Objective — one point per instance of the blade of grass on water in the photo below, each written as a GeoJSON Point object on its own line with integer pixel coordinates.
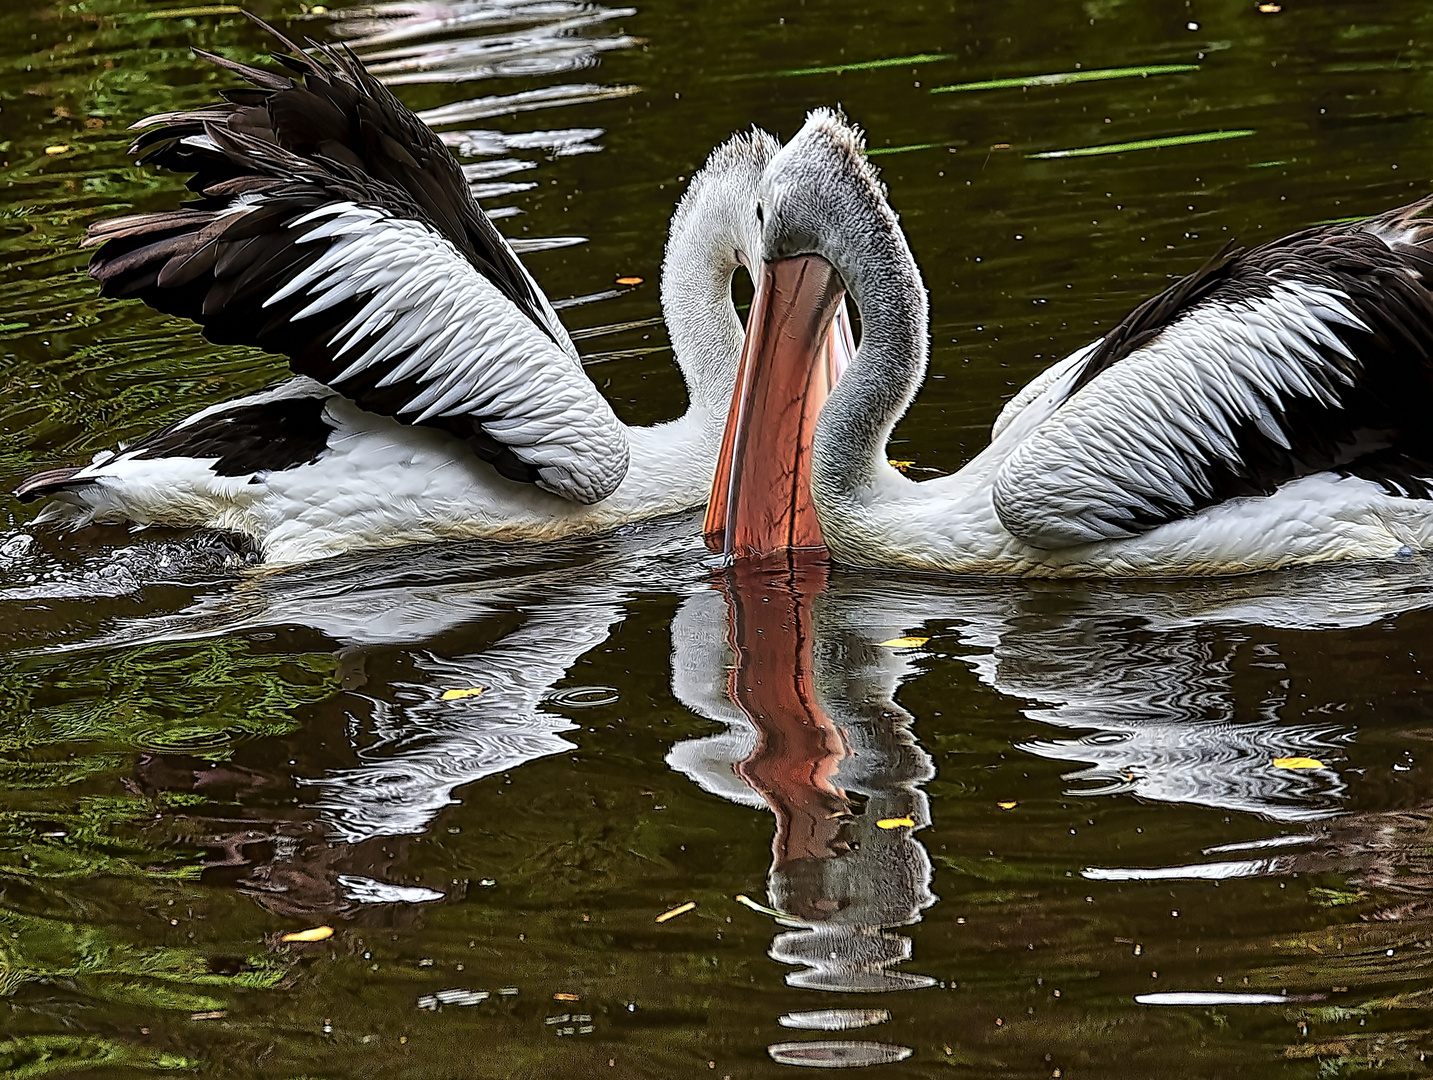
{"type": "Point", "coordinates": [1059, 77]}
{"type": "Point", "coordinates": [1146, 144]}
{"type": "Point", "coordinates": [192, 12]}
{"type": "Point", "coordinates": [859, 65]}
{"type": "Point", "coordinates": [904, 149]}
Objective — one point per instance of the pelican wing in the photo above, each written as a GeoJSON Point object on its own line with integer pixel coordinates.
{"type": "Point", "coordinates": [334, 228]}
{"type": "Point", "coordinates": [1309, 354]}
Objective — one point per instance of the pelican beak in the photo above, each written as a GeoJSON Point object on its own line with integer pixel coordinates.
{"type": "Point", "coordinates": [798, 340]}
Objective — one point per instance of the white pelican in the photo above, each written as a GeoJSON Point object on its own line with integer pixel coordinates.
{"type": "Point", "coordinates": [438, 396]}
{"type": "Point", "coordinates": [1274, 408]}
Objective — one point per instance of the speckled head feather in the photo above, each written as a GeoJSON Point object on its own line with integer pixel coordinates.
{"type": "Point", "coordinates": [848, 139]}
{"type": "Point", "coordinates": [822, 196]}
{"type": "Point", "coordinates": [713, 229]}
{"type": "Point", "coordinates": [745, 154]}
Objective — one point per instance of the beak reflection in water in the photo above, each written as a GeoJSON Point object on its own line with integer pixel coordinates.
{"type": "Point", "coordinates": [834, 760]}
{"type": "Point", "coordinates": [798, 341]}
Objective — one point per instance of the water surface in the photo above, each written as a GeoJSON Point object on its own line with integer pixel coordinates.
{"type": "Point", "coordinates": [929, 828]}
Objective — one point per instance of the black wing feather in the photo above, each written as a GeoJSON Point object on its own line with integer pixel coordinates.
{"type": "Point", "coordinates": [289, 147]}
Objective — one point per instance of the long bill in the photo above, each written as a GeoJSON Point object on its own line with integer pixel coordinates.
{"type": "Point", "coordinates": [798, 341]}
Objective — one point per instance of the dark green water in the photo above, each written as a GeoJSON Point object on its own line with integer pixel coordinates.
{"type": "Point", "coordinates": [982, 851]}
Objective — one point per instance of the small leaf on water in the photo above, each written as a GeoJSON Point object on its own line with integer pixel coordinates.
{"type": "Point", "coordinates": [456, 695]}
{"type": "Point", "coordinates": [1297, 763]}
{"type": "Point", "coordinates": [59, 148]}
{"type": "Point", "coordinates": [1270, 9]}
{"type": "Point", "coordinates": [904, 642]}
{"type": "Point", "coordinates": [896, 823]}
{"type": "Point", "coordinates": [317, 933]}
{"type": "Point", "coordinates": [213, 1014]}
{"type": "Point", "coordinates": [560, 996]}
{"type": "Point", "coordinates": [629, 281]}
{"type": "Point", "coordinates": [680, 909]}
{"type": "Point", "coordinates": [902, 465]}
{"type": "Point", "coordinates": [1011, 805]}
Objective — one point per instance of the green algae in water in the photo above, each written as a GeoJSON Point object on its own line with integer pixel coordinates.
{"type": "Point", "coordinates": [202, 699]}
{"type": "Point", "coordinates": [47, 1055]}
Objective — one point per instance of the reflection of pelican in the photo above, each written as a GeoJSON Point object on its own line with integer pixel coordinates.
{"type": "Point", "coordinates": [407, 744]}
{"type": "Point", "coordinates": [1174, 685]}
{"type": "Point", "coordinates": [1163, 691]}
{"type": "Point", "coordinates": [812, 731]}
{"type": "Point", "coordinates": [1142, 689]}
{"type": "Point", "coordinates": [451, 609]}
{"type": "Point", "coordinates": [277, 852]}
{"type": "Point", "coordinates": [1159, 692]}
{"type": "Point", "coordinates": [1271, 409]}
{"type": "Point", "coordinates": [1133, 684]}
{"type": "Point", "coordinates": [414, 749]}
{"type": "Point", "coordinates": [420, 747]}
{"type": "Point", "coordinates": [438, 396]}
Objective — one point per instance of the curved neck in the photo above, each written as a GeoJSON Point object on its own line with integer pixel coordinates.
{"type": "Point", "coordinates": [702, 323]}
{"type": "Point", "coordinates": [888, 368]}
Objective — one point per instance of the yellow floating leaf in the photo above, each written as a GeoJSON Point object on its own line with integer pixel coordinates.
{"type": "Point", "coordinates": [629, 281]}
{"type": "Point", "coordinates": [317, 933]}
{"type": "Point", "coordinates": [904, 642]}
{"type": "Point", "coordinates": [1011, 805]}
{"type": "Point", "coordinates": [1270, 9]}
{"type": "Point", "coordinates": [457, 695]}
{"type": "Point", "coordinates": [902, 465]}
{"type": "Point", "coordinates": [59, 148]}
{"type": "Point", "coordinates": [896, 823]}
{"type": "Point", "coordinates": [1297, 763]}
{"type": "Point", "coordinates": [680, 909]}
{"type": "Point", "coordinates": [560, 996]}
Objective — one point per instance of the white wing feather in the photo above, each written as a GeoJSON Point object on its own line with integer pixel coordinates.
{"type": "Point", "coordinates": [470, 351]}
{"type": "Point", "coordinates": [1140, 436]}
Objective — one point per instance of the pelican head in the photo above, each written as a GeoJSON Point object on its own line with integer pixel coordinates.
{"type": "Point", "coordinates": [826, 231]}
{"type": "Point", "coordinates": [713, 232]}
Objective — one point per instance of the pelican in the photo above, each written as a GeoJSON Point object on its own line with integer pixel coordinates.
{"type": "Point", "coordinates": [1273, 408]}
{"type": "Point", "coordinates": [436, 396]}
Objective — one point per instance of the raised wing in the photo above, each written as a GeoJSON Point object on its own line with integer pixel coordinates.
{"type": "Point", "coordinates": [333, 227]}
{"type": "Point", "coordinates": [1311, 353]}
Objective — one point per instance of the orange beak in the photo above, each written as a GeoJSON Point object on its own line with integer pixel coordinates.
{"type": "Point", "coordinates": [798, 341]}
